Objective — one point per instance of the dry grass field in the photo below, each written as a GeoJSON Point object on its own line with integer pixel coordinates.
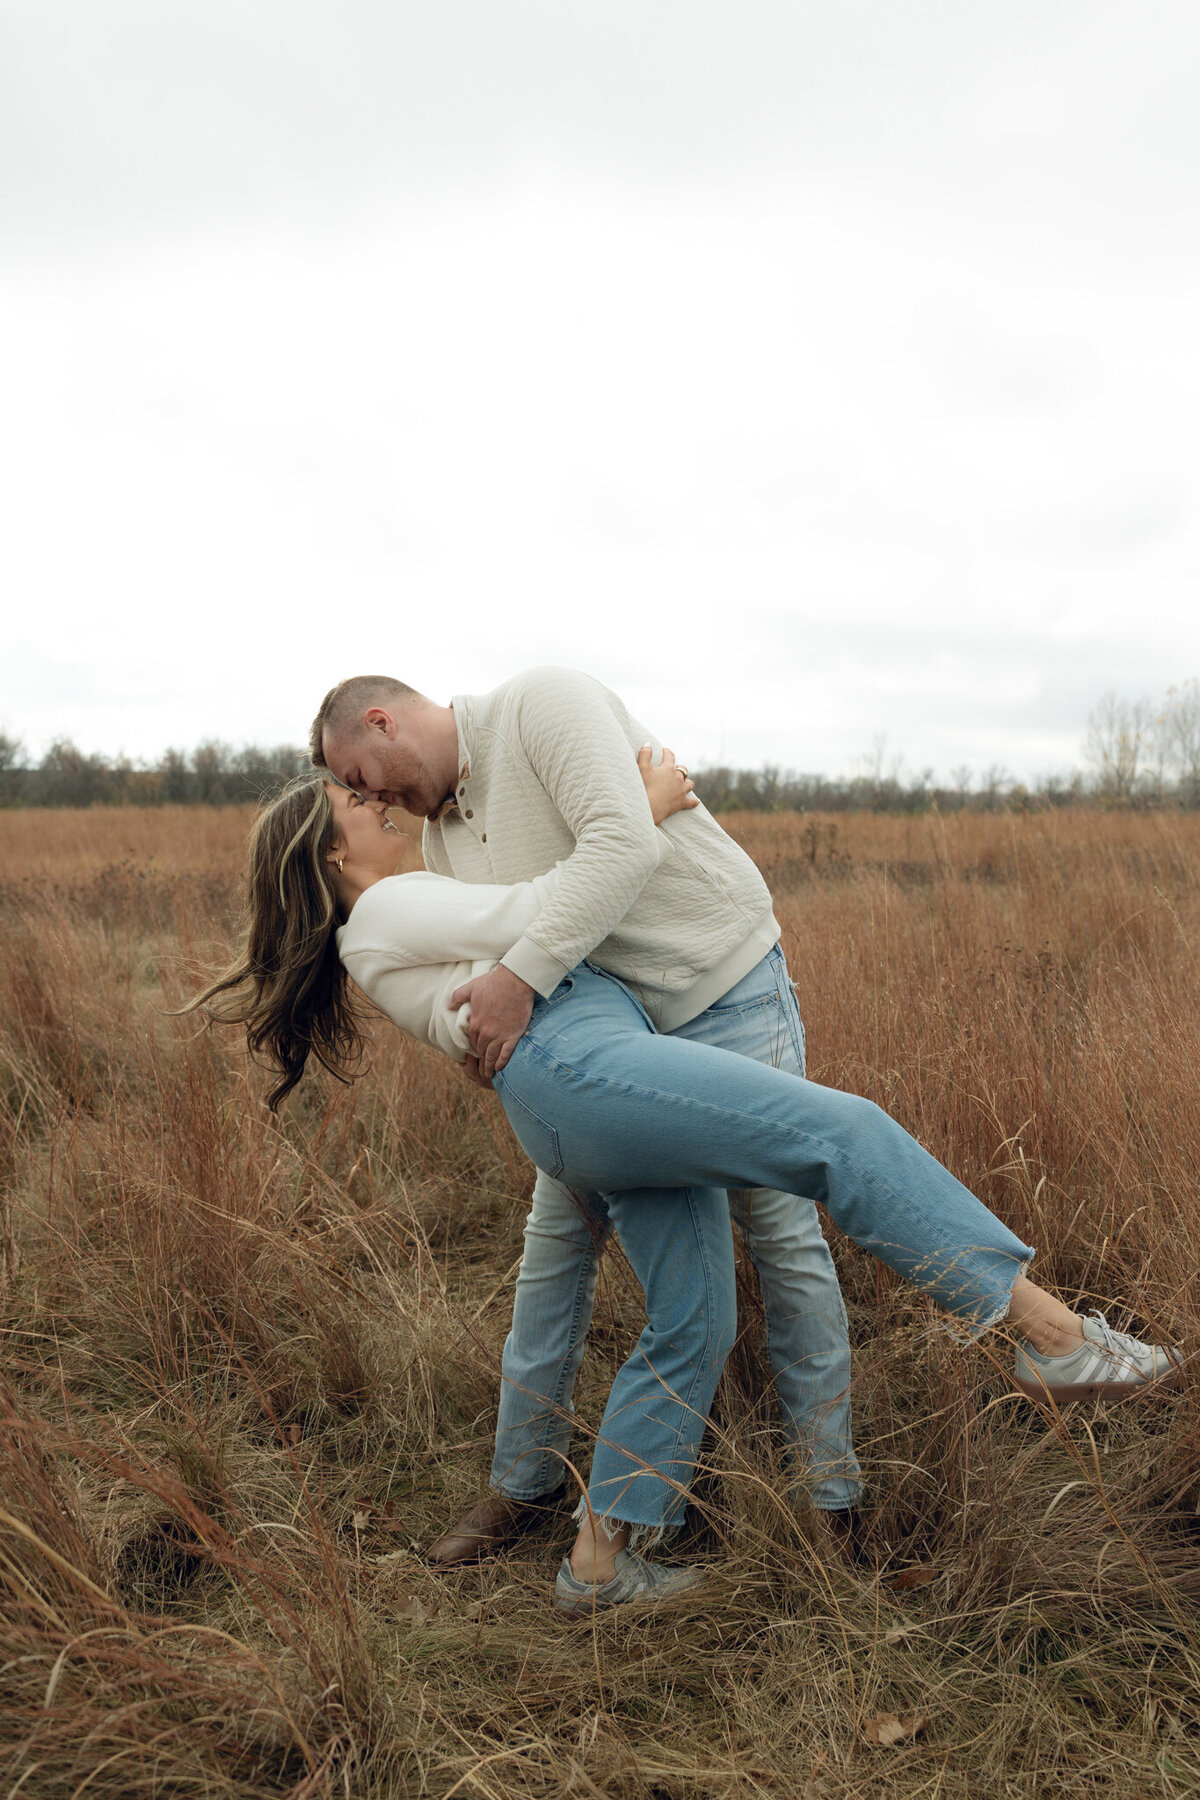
{"type": "Point", "coordinates": [249, 1367]}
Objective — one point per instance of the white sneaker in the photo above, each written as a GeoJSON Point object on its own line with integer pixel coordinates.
{"type": "Point", "coordinates": [1106, 1365]}
{"type": "Point", "coordinates": [635, 1579]}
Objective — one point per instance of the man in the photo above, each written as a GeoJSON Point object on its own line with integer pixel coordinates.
{"type": "Point", "coordinates": [541, 771]}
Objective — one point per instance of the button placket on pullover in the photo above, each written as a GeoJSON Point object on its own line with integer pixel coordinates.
{"type": "Point", "coordinates": [465, 817]}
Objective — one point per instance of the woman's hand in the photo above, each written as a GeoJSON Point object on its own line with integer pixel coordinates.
{"type": "Point", "coordinates": [668, 787]}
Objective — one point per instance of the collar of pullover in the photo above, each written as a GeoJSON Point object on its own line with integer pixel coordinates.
{"type": "Point", "coordinates": [459, 706]}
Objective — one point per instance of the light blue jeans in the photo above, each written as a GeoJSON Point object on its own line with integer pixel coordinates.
{"type": "Point", "coordinates": [680, 1248]}
{"type": "Point", "coordinates": [601, 1101]}
{"type": "Point", "coordinates": [805, 1318]}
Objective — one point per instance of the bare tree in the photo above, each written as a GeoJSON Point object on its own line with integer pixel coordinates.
{"type": "Point", "coordinates": [12, 756]}
{"type": "Point", "coordinates": [1181, 739]}
{"type": "Point", "coordinates": [255, 770]}
{"type": "Point", "coordinates": [994, 784]}
{"type": "Point", "coordinates": [210, 771]}
{"type": "Point", "coordinates": [69, 777]}
{"type": "Point", "coordinates": [1118, 739]}
{"type": "Point", "coordinates": [173, 774]}
{"type": "Point", "coordinates": [882, 772]}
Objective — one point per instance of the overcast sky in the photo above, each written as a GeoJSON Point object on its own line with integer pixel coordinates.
{"type": "Point", "coordinates": [807, 372]}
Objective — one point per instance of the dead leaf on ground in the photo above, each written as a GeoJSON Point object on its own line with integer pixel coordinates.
{"type": "Point", "coordinates": [361, 1519]}
{"type": "Point", "coordinates": [912, 1578]}
{"type": "Point", "coordinates": [414, 1609]}
{"type": "Point", "coordinates": [887, 1728]}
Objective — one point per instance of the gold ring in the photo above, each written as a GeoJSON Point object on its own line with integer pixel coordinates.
{"type": "Point", "coordinates": [681, 769]}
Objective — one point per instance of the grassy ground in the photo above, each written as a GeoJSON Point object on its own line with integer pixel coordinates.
{"type": "Point", "coordinates": [249, 1369]}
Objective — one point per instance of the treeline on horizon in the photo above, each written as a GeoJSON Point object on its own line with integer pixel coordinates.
{"type": "Point", "coordinates": [1139, 754]}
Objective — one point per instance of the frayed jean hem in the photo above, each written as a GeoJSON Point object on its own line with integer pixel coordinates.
{"type": "Point", "coordinates": [972, 1330]}
{"type": "Point", "coordinates": [642, 1536]}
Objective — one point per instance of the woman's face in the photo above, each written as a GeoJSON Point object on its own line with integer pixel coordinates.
{"type": "Point", "coordinates": [365, 838]}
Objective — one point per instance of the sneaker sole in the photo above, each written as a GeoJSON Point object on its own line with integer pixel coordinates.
{"type": "Point", "coordinates": [584, 1609]}
{"type": "Point", "coordinates": [1100, 1390]}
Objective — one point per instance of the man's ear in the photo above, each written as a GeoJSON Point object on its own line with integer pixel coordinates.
{"type": "Point", "coordinates": [376, 719]}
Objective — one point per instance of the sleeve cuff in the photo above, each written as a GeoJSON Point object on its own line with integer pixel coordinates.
{"type": "Point", "coordinates": [536, 967]}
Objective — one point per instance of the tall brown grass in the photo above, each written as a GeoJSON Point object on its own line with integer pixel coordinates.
{"type": "Point", "coordinates": [250, 1368]}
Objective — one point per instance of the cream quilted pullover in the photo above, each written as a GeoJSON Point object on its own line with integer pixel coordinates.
{"type": "Point", "coordinates": [548, 771]}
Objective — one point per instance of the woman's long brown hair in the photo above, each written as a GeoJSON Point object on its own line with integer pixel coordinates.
{"type": "Point", "coordinates": [287, 985]}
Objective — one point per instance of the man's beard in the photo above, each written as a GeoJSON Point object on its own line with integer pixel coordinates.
{"type": "Point", "coordinates": [413, 781]}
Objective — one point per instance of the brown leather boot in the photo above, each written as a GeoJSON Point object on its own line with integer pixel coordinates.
{"type": "Point", "coordinates": [494, 1522]}
{"type": "Point", "coordinates": [842, 1528]}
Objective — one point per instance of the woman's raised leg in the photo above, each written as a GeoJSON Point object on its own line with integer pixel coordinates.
{"type": "Point", "coordinates": [614, 1104]}
{"type": "Point", "coordinates": [607, 1103]}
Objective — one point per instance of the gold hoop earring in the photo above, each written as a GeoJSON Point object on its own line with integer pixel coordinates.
{"type": "Point", "coordinates": [340, 860]}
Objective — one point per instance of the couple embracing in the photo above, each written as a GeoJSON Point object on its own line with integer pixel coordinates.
{"type": "Point", "coordinates": [589, 941]}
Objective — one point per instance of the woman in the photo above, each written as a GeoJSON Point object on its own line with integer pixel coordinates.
{"type": "Point", "coordinates": [659, 1125]}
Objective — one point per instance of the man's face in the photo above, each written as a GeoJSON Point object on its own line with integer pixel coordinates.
{"type": "Point", "coordinates": [387, 758]}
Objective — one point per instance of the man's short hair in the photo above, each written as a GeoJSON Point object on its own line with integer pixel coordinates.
{"type": "Point", "coordinates": [343, 707]}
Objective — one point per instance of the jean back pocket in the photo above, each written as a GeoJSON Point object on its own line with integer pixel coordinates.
{"type": "Point", "coordinates": [536, 1136]}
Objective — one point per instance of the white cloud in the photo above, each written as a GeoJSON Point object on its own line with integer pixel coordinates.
{"type": "Point", "coordinates": [806, 376]}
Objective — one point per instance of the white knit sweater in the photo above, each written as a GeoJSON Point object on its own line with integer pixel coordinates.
{"type": "Point", "coordinates": [411, 940]}
{"type": "Point", "coordinates": [549, 775]}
